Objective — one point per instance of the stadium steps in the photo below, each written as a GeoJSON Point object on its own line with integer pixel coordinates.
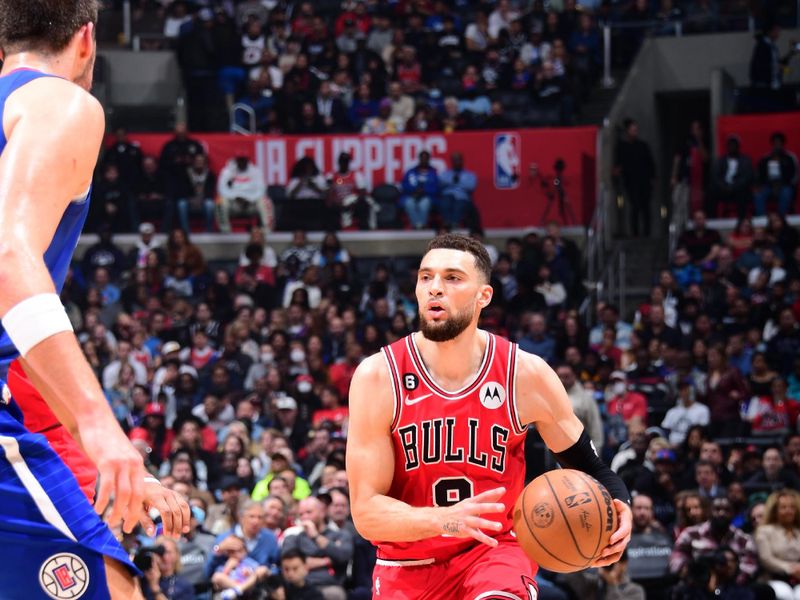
{"type": "Point", "coordinates": [598, 105]}
{"type": "Point", "coordinates": [644, 258]}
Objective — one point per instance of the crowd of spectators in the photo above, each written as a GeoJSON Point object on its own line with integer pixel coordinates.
{"type": "Point", "coordinates": [380, 67]}
{"type": "Point", "coordinates": [180, 189]}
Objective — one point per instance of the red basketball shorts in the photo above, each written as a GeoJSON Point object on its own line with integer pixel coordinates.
{"type": "Point", "coordinates": [38, 418]}
{"type": "Point", "coordinates": [480, 573]}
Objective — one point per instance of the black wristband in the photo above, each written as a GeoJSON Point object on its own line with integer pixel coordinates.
{"type": "Point", "coordinates": [583, 457]}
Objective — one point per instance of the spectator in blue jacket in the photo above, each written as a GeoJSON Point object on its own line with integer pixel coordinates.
{"type": "Point", "coordinates": [458, 184]}
{"type": "Point", "coordinates": [262, 545]}
{"type": "Point", "coordinates": [420, 191]}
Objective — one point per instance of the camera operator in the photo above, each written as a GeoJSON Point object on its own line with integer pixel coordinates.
{"type": "Point", "coordinates": [160, 565]}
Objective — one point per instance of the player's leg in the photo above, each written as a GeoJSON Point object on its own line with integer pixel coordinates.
{"type": "Point", "coordinates": [59, 543]}
{"type": "Point", "coordinates": [500, 573]}
{"type": "Point", "coordinates": [121, 583]}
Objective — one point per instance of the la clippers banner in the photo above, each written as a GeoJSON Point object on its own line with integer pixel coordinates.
{"type": "Point", "coordinates": [754, 132]}
{"type": "Point", "coordinates": [518, 184]}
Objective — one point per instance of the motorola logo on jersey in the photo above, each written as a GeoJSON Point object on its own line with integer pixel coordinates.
{"type": "Point", "coordinates": [492, 394]}
{"type": "Point", "coordinates": [433, 441]}
{"type": "Point", "coordinates": [64, 576]}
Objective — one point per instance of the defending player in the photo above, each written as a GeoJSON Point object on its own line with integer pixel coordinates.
{"type": "Point", "coordinates": [436, 438]}
{"type": "Point", "coordinates": [49, 142]}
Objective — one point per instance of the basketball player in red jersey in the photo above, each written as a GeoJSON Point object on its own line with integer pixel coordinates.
{"type": "Point", "coordinates": [436, 437]}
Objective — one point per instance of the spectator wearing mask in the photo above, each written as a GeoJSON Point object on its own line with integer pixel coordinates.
{"type": "Point", "coordinates": [241, 191]}
{"type": "Point", "coordinates": [777, 177]}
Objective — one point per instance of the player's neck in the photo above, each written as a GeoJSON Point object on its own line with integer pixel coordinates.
{"type": "Point", "coordinates": [58, 64]}
{"type": "Point", "coordinates": [454, 362]}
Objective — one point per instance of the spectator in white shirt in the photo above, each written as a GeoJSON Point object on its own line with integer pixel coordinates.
{"type": "Point", "coordinates": [242, 191]}
{"type": "Point", "coordinates": [685, 414]}
{"type": "Point", "coordinates": [111, 372]}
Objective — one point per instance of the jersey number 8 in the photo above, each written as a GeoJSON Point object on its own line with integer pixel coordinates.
{"type": "Point", "coordinates": [451, 490]}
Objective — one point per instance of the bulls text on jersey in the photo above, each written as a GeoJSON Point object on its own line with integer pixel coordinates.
{"type": "Point", "coordinates": [432, 441]}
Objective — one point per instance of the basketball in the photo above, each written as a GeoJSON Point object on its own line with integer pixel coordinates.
{"type": "Point", "coordinates": [563, 520]}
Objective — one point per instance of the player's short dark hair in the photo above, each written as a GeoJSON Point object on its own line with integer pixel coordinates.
{"type": "Point", "coordinates": [43, 25]}
{"type": "Point", "coordinates": [293, 554]}
{"type": "Point", "coordinates": [457, 241]}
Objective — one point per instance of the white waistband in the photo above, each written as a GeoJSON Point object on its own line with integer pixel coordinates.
{"type": "Point", "coordinates": [405, 563]}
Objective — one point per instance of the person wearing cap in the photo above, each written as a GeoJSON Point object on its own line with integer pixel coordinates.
{"type": "Point", "coordinates": [686, 413]}
{"type": "Point", "coordinates": [241, 191]}
{"type": "Point", "coordinates": [224, 516]}
{"type": "Point", "coordinates": [145, 244]}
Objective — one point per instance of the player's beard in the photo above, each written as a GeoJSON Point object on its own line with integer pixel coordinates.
{"type": "Point", "coordinates": [446, 330]}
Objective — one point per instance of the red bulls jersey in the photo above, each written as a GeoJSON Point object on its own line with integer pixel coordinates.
{"type": "Point", "coordinates": [449, 446]}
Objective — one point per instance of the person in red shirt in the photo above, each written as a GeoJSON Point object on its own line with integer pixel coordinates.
{"type": "Point", "coordinates": [624, 402]}
{"type": "Point", "coordinates": [331, 408]}
{"type": "Point", "coordinates": [341, 373]}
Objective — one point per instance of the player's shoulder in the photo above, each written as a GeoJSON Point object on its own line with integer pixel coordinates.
{"type": "Point", "coordinates": [530, 365]}
{"type": "Point", "coordinates": [372, 370]}
{"type": "Point", "coordinates": [56, 101]}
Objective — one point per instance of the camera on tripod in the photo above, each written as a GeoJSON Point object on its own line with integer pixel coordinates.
{"type": "Point", "coordinates": [553, 188]}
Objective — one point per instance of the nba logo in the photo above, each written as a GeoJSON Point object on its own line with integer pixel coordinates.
{"type": "Point", "coordinates": [507, 149]}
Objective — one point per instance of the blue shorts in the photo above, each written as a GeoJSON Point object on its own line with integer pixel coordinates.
{"type": "Point", "coordinates": [53, 542]}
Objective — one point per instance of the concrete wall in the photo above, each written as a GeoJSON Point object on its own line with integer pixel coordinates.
{"type": "Point", "coordinates": [142, 78]}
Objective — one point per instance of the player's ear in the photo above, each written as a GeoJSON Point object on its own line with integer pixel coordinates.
{"type": "Point", "coordinates": [85, 37]}
{"type": "Point", "coordinates": [485, 295]}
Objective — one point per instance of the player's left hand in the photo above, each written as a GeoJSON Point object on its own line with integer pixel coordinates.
{"type": "Point", "coordinates": [174, 510]}
{"type": "Point", "coordinates": [619, 539]}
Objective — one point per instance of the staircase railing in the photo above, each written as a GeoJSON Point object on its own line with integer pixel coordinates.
{"type": "Point", "coordinates": [679, 216]}
{"type": "Point", "coordinates": [605, 262]}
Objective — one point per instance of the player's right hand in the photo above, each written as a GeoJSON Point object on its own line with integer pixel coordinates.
{"type": "Point", "coordinates": [121, 471]}
{"type": "Point", "coordinates": [463, 519]}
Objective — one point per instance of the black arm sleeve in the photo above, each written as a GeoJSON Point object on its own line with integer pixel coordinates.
{"type": "Point", "coordinates": [582, 457]}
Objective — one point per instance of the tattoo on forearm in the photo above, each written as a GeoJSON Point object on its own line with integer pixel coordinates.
{"type": "Point", "coordinates": [451, 528]}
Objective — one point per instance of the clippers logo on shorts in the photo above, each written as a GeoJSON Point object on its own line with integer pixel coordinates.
{"type": "Point", "coordinates": [492, 394]}
{"type": "Point", "coordinates": [64, 576]}
{"type": "Point", "coordinates": [507, 151]}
